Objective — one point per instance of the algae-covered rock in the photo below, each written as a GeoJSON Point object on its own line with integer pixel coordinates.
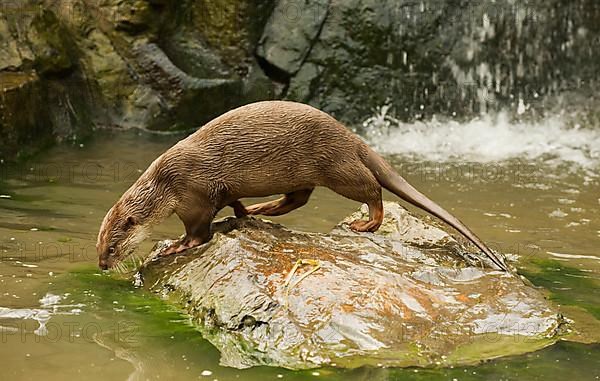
{"type": "Point", "coordinates": [404, 296]}
{"type": "Point", "coordinates": [36, 111]}
{"type": "Point", "coordinates": [230, 27]}
{"type": "Point", "coordinates": [43, 95]}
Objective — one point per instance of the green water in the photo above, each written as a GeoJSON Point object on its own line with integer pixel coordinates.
{"type": "Point", "coordinates": [101, 327]}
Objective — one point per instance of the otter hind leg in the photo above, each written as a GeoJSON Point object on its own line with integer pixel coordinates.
{"type": "Point", "coordinates": [239, 209]}
{"type": "Point", "coordinates": [283, 205]}
{"type": "Point", "coordinates": [356, 182]}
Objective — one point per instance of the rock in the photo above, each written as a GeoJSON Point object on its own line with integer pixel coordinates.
{"type": "Point", "coordinates": [116, 58]}
{"type": "Point", "coordinates": [257, 86]}
{"type": "Point", "coordinates": [22, 111]}
{"type": "Point", "coordinates": [434, 56]}
{"type": "Point", "coordinates": [36, 111]}
{"type": "Point", "coordinates": [405, 296]}
{"type": "Point", "coordinates": [191, 101]}
{"type": "Point", "coordinates": [290, 33]}
{"type": "Point", "coordinates": [134, 16]}
{"type": "Point", "coordinates": [11, 53]}
{"type": "Point", "coordinates": [33, 38]}
{"type": "Point", "coordinates": [44, 96]}
{"type": "Point", "coordinates": [50, 45]}
{"type": "Point", "coordinates": [231, 28]}
{"type": "Point", "coordinates": [151, 64]}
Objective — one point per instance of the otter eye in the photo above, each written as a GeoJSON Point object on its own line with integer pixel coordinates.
{"type": "Point", "coordinates": [130, 221]}
{"type": "Point", "coordinates": [111, 250]}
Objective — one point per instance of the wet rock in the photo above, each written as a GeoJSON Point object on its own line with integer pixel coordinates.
{"type": "Point", "coordinates": [436, 57]}
{"type": "Point", "coordinates": [291, 32]}
{"type": "Point", "coordinates": [408, 295]}
{"type": "Point", "coordinates": [134, 16]}
{"type": "Point", "coordinates": [33, 38]}
{"type": "Point", "coordinates": [10, 54]}
{"type": "Point", "coordinates": [36, 111]}
{"type": "Point", "coordinates": [190, 100]}
{"type": "Point", "coordinates": [423, 58]}
{"type": "Point", "coordinates": [142, 86]}
{"type": "Point", "coordinates": [44, 96]}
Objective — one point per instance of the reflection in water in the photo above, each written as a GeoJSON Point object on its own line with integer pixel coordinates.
{"type": "Point", "coordinates": [52, 206]}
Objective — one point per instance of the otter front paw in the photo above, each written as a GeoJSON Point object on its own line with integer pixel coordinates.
{"type": "Point", "coordinates": [181, 246]}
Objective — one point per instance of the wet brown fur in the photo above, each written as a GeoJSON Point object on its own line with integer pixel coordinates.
{"type": "Point", "coordinates": [257, 150]}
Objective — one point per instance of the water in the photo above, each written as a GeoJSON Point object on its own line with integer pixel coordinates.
{"type": "Point", "coordinates": [488, 139]}
{"type": "Point", "coordinates": [528, 189]}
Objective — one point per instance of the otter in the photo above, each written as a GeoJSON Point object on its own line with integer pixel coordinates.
{"type": "Point", "coordinates": [257, 150]}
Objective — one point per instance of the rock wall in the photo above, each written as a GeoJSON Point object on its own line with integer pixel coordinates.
{"type": "Point", "coordinates": [43, 93]}
{"type": "Point", "coordinates": [166, 65]}
{"type": "Point", "coordinates": [150, 64]}
{"type": "Point", "coordinates": [454, 57]}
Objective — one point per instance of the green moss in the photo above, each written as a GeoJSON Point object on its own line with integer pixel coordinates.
{"type": "Point", "coordinates": [151, 315]}
{"type": "Point", "coordinates": [561, 361]}
{"type": "Point", "coordinates": [567, 285]}
{"type": "Point", "coordinates": [493, 346]}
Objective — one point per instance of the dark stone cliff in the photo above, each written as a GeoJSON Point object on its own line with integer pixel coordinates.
{"type": "Point", "coordinates": [69, 66]}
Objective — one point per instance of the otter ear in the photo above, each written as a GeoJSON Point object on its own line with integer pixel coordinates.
{"type": "Point", "coordinates": [131, 221]}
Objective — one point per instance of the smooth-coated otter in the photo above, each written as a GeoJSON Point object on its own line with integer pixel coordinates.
{"type": "Point", "coordinates": [257, 150]}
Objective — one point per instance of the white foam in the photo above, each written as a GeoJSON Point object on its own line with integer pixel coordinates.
{"type": "Point", "coordinates": [485, 139]}
{"type": "Point", "coordinates": [50, 300]}
{"type": "Point", "coordinates": [50, 306]}
{"type": "Point", "coordinates": [573, 256]}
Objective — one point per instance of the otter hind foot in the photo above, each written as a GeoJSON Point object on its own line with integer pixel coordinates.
{"type": "Point", "coordinates": [361, 226]}
{"type": "Point", "coordinates": [239, 209]}
{"type": "Point", "coordinates": [375, 218]}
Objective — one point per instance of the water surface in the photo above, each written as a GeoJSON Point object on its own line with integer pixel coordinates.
{"type": "Point", "coordinates": [537, 199]}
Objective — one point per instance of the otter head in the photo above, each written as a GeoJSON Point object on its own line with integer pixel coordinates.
{"type": "Point", "coordinates": [121, 232]}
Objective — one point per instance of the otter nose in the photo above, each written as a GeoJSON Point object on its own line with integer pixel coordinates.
{"type": "Point", "coordinates": [103, 264]}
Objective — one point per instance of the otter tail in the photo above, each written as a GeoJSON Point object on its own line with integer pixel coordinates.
{"type": "Point", "coordinates": [392, 181]}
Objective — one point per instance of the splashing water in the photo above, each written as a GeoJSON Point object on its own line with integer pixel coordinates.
{"type": "Point", "coordinates": [485, 139]}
